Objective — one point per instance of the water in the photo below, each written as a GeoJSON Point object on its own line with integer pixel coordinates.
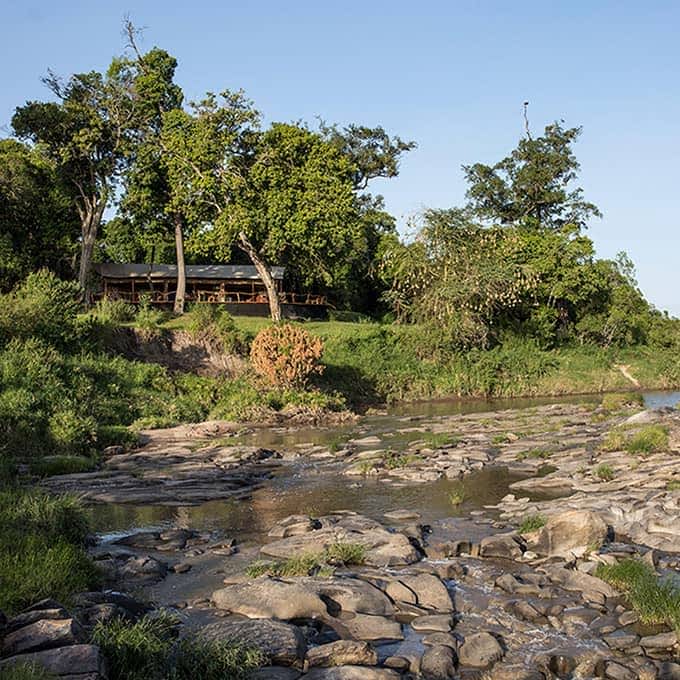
{"type": "Point", "coordinates": [317, 488]}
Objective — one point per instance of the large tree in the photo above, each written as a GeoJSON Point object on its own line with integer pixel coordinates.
{"type": "Point", "coordinates": [85, 133]}
{"type": "Point", "coordinates": [533, 186]}
{"type": "Point", "coordinates": [38, 222]}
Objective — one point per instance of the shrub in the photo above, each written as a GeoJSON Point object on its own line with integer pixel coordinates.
{"type": "Point", "coordinates": [615, 440]}
{"type": "Point", "coordinates": [114, 312]}
{"type": "Point", "coordinates": [648, 439]}
{"type": "Point", "coordinates": [604, 472]}
{"type": "Point", "coordinates": [531, 523]}
{"type": "Point", "coordinates": [345, 553]}
{"type": "Point", "coordinates": [214, 321]}
{"type": "Point", "coordinates": [656, 601]}
{"type": "Point", "coordinates": [286, 355]}
{"type": "Point", "coordinates": [60, 465]}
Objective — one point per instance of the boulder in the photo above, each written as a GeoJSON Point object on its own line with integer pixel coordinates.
{"type": "Point", "coordinates": [430, 591]}
{"type": "Point", "coordinates": [270, 598]}
{"type": "Point", "coordinates": [571, 533]}
{"type": "Point", "coordinates": [350, 595]}
{"type": "Point", "coordinates": [480, 650]}
{"type": "Point", "coordinates": [438, 663]}
{"type": "Point", "coordinates": [441, 623]}
{"type": "Point", "coordinates": [275, 673]}
{"type": "Point", "coordinates": [503, 546]}
{"type": "Point", "coordinates": [341, 653]}
{"type": "Point", "coordinates": [63, 661]}
{"type": "Point", "coordinates": [42, 634]}
{"type": "Point", "coordinates": [352, 673]}
{"type": "Point", "coordinates": [282, 643]}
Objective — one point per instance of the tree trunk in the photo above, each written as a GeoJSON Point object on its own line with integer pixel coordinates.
{"type": "Point", "coordinates": [265, 275]}
{"type": "Point", "coordinates": [90, 219]}
{"type": "Point", "coordinates": [181, 267]}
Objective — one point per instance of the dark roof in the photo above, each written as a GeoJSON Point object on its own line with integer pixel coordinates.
{"type": "Point", "coordinates": [112, 270]}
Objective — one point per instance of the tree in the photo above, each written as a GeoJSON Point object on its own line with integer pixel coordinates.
{"type": "Point", "coordinates": [532, 186]}
{"type": "Point", "coordinates": [85, 133]}
{"type": "Point", "coordinates": [38, 223]}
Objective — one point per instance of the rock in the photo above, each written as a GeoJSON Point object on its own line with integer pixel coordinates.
{"type": "Point", "coordinates": [341, 653]}
{"type": "Point", "coordinates": [643, 418]}
{"type": "Point", "coordinates": [274, 673]}
{"type": "Point", "coordinates": [617, 671]}
{"type": "Point", "coordinates": [63, 661]}
{"type": "Point", "coordinates": [438, 663]}
{"type": "Point", "coordinates": [383, 547]}
{"type": "Point", "coordinates": [349, 595]}
{"type": "Point", "coordinates": [294, 525]}
{"type": "Point", "coordinates": [181, 568]}
{"type": "Point", "coordinates": [446, 639]}
{"type": "Point", "coordinates": [351, 673]}
{"type": "Point", "coordinates": [401, 515]}
{"type": "Point", "coordinates": [480, 650]}
{"type": "Point", "coordinates": [42, 634]}
{"type": "Point", "coordinates": [591, 588]}
{"type": "Point", "coordinates": [441, 623]}
{"type": "Point", "coordinates": [269, 598]}
{"type": "Point", "coordinates": [571, 533]}
{"type": "Point", "coordinates": [29, 617]}
{"type": "Point", "coordinates": [504, 546]}
{"type": "Point", "coordinates": [660, 641]}
{"type": "Point", "coordinates": [282, 643]}
{"type": "Point", "coordinates": [367, 627]}
{"type": "Point", "coordinates": [430, 591]}
{"type": "Point", "coordinates": [668, 670]}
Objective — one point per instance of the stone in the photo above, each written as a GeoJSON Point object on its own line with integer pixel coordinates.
{"type": "Point", "coordinates": [274, 673]}
{"type": "Point", "coordinates": [341, 653]}
{"type": "Point", "coordinates": [294, 525]}
{"type": "Point", "coordinates": [42, 634]}
{"type": "Point", "coordinates": [480, 650]}
{"type": "Point", "coordinates": [269, 598]}
{"type": "Point", "coordinates": [367, 627]}
{"type": "Point", "coordinates": [430, 591]}
{"type": "Point", "coordinates": [446, 639]}
{"type": "Point", "coordinates": [282, 643]}
{"type": "Point", "coordinates": [352, 673]}
{"type": "Point", "coordinates": [617, 671]}
{"type": "Point", "coordinates": [401, 515]}
{"type": "Point", "coordinates": [503, 546]}
{"type": "Point", "coordinates": [62, 661]}
{"type": "Point", "coordinates": [660, 641]}
{"type": "Point", "coordinates": [441, 623]}
{"type": "Point", "coordinates": [28, 617]}
{"type": "Point", "coordinates": [571, 533]}
{"type": "Point", "coordinates": [438, 663]}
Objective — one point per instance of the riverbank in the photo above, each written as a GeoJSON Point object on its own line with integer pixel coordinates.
{"type": "Point", "coordinates": [415, 564]}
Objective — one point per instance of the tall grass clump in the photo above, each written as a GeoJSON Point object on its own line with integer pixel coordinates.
{"type": "Point", "coordinates": [26, 671]}
{"type": "Point", "coordinates": [113, 312]}
{"type": "Point", "coordinates": [149, 650]}
{"type": "Point", "coordinates": [657, 601]}
{"type": "Point", "coordinates": [215, 322]}
{"type": "Point", "coordinates": [42, 551]}
{"type": "Point", "coordinates": [649, 439]}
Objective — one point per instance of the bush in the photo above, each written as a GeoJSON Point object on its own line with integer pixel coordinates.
{"type": "Point", "coordinates": [531, 523]}
{"type": "Point", "coordinates": [604, 472]}
{"type": "Point", "coordinates": [60, 465]}
{"type": "Point", "coordinates": [649, 439]}
{"type": "Point", "coordinates": [286, 355]}
{"type": "Point", "coordinates": [114, 312]}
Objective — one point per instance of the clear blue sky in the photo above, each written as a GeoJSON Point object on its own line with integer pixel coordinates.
{"type": "Point", "coordinates": [450, 75]}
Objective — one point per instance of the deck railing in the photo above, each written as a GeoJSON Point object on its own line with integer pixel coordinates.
{"type": "Point", "coordinates": [158, 297]}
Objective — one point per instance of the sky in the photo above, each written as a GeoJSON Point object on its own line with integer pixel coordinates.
{"type": "Point", "coordinates": [451, 76]}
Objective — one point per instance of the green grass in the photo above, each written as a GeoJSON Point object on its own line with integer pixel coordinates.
{"type": "Point", "coordinates": [60, 465]}
{"type": "Point", "coordinates": [531, 523]}
{"type": "Point", "coordinates": [655, 600]}
{"type": "Point", "coordinates": [673, 485]}
{"type": "Point", "coordinates": [500, 439]}
{"type": "Point", "coordinates": [42, 550]}
{"type": "Point", "coordinates": [534, 454]}
{"type": "Point", "coordinates": [457, 496]}
{"type": "Point", "coordinates": [149, 650]}
{"type": "Point", "coordinates": [646, 440]}
{"type": "Point", "coordinates": [604, 472]}
{"type": "Point", "coordinates": [25, 671]}
{"type": "Point", "coordinates": [311, 564]}
{"type": "Point", "coordinates": [620, 400]}
{"type": "Point", "coordinates": [438, 440]}
{"type": "Point", "coordinates": [395, 461]}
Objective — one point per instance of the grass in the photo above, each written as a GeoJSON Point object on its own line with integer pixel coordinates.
{"type": "Point", "coordinates": [619, 400]}
{"type": "Point", "coordinates": [438, 440]}
{"type": "Point", "coordinates": [646, 440]}
{"type": "Point", "coordinates": [395, 461]}
{"type": "Point", "coordinates": [604, 472]}
{"type": "Point", "coordinates": [60, 465]}
{"type": "Point", "coordinates": [25, 671]}
{"type": "Point", "coordinates": [457, 497]}
{"type": "Point", "coordinates": [531, 523]}
{"type": "Point", "coordinates": [149, 650]}
{"type": "Point", "coordinates": [500, 439]}
{"type": "Point", "coordinates": [657, 601]}
{"type": "Point", "coordinates": [42, 550]}
{"type": "Point", "coordinates": [673, 485]}
{"type": "Point", "coordinates": [311, 564]}
{"type": "Point", "coordinates": [534, 454]}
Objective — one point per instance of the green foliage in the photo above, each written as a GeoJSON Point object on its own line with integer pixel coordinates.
{"type": "Point", "coordinates": [113, 312]}
{"type": "Point", "coordinates": [617, 401]}
{"type": "Point", "coordinates": [25, 671]}
{"type": "Point", "coordinates": [531, 523]}
{"type": "Point", "coordinates": [60, 465]}
{"type": "Point", "coordinates": [534, 454]}
{"type": "Point", "coordinates": [656, 601]}
{"type": "Point", "coordinates": [41, 549]}
{"type": "Point", "coordinates": [457, 496]}
{"type": "Point", "coordinates": [649, 439]}
{"type": "Point", "coordinates": [215, 322]}
{"type": "Point", "coordinates": [439, 440]}
{"type": "Point", "coordinates": [673, 485]}
{"type": "Point", "coordinates": [604, 472]}
{"type": "Point", "coordinates": [197, 657]}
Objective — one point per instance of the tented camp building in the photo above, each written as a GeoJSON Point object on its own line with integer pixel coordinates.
{"type": "Point", "coordinates": [237, 287]}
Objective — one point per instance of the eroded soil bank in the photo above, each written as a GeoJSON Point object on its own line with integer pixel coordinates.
{"type": "Point", "coordinates": [436, 546]}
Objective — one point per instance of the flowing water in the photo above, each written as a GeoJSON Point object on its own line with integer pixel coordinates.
{"type": "Point", "coordinates": [315, 487]}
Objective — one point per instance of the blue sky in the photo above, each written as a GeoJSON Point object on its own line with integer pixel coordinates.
{"type": "Point", "coordinates": [450, 75]}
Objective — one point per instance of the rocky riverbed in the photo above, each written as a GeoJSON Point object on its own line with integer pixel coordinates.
{"type": "Point", "coordinates": [370, 589]}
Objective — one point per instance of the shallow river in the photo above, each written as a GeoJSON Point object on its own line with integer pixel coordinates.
{"type": "Point", "coordinates": [309, 487]}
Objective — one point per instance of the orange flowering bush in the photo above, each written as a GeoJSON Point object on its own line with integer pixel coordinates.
{"type": "Point", "coordinates": [286, 355]}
